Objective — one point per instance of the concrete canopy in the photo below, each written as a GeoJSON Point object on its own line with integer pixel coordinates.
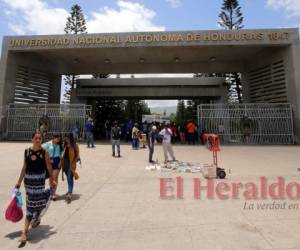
{"type": "Point", "coordinates": [172, 52]}
{"type": "Point", "coordinates": [269, 60]}
{"type": "Point", "coordinates": [152, 88]}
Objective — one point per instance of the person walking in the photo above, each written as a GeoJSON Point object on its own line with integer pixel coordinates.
{"type": "Point", "coordinates": [115, 139]}
{"type": "Point", "coordinates": [129, 126]}
{"type": "Point", "coordinates": [75, 131]}
{"type": "Point", "coordinates": [69, 161]}
{"type": "Point", "coordinates": [151, 141]}
{"type": "Point", "coordinates": [108, 127]}
{"type": "Point", "coordinates": [89, 129]}
{"type": "Point", "coordinates": [36, 167]}
{"type": "Point", "coordinates": [174, 133]}
{"type": "Point", "coordinates": [166, 134]}
{"type": "Point", "coordinates": [55, 151]}
{"type": "Point", "coordinates": [135, 137]}
{"type": "Point", "coordinates": [181, 130]}
{"type": "Point", "coordinates": [191, 128]}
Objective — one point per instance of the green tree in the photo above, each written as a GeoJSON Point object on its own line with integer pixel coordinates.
{"type": "Point", "coordinates": [75, 24]}
{"type": "Point", "coordinates": [231, 18]}
{"type": "Point", "coordinates": [180, 112]}
{"type": "Point", "coordinates": [107, 109]}
{"type": "Point", "coordinates": [135, 109]}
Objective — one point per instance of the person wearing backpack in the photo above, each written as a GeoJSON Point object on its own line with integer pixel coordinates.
{"type": "Point", "coordinates": [55, 151]}
{"type": "Point", "coordinates": [115, 139]}
{"type": "Point", "coordinates": [69, 162]}
{"type": "Point", "coordinates": [36, 168]}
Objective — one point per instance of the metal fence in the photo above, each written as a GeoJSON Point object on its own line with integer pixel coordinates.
{"type": "Point", "coordinates": [23, 119]}
{"type": "Point", "coordinates": [248, 123]}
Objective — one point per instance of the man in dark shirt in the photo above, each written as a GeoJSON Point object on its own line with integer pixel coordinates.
{"type": "Point", "coordinates": [151, 142]}
{"type": "Point", "coordinates": [115, 138]}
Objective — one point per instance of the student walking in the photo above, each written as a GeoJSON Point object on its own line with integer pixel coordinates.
{"type": "Point", "coordinates": [75, 131]}
{"type": "Point", "coordinates": [70, 158]}
{"type": "Point", "coordinates": [108, 127]}
{"type": "Point", "coordinates": [129, 126]}
{"type": "Point", "coordinates": [135, 137]}
{"type": "Point", "coordinates": [35, 169]}
{"type": "Point", "coordinates": [115, 139]}
{"type": "Point", "coordinates": [89, 128]}
{"type": "Point", "coordinates": [166, 134]}
{"type": "Point", "coordinates": [151, 141]}
{"type": "Point", "coordinates": [55, 151]}
{"type": "Point", "coordinates": [191, 129]}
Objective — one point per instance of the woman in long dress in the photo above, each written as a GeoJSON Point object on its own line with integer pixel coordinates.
{"type": "Point", "coordinates": [36, 168]}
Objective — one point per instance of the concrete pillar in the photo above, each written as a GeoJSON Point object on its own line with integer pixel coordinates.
{"type": "Point", "coordinates": [8, 70]}
{"type": "Point", "coordinates": [292, 56]}
{"type": "Point", "coordinates": [245, 87]}
{"type": "Point", "coordinates": [55, 89]}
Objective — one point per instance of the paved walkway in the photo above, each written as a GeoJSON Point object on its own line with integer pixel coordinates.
{"type": "Point", "coordinates": [117, 204]}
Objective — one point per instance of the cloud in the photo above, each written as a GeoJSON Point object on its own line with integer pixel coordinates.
{"type": "Point", "coordinates": [34, 17]}
{"type": "Point", "coordinates": [174, 3]}
{"type": "Point", "coordinates": [38, 17]}
{"type": "Point", "coordinates": [291, 7]}
{"type": "Point", "coordinates": [128, 17]}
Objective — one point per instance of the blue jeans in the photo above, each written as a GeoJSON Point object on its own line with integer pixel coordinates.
{"type": "Point", "coordinates": [69, 175]}
{"type": "Point", "coordinates": [151, 151]}
{"type": "Point", "coordinates": [135, 143]}
{"type": "Point", "coordinates": [90, 139]}
{"type": "Point", "coordinates": [114, 144]}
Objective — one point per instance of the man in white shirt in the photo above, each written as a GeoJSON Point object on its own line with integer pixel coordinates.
{"type": "Point", "coordinates": [166, 134]}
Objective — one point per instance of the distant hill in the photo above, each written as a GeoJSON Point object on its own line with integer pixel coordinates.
{"type": "Point", "coordinates": [160, 110]}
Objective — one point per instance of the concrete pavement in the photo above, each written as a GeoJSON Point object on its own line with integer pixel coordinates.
{"type": "Point", "coordinates": [117, 206]}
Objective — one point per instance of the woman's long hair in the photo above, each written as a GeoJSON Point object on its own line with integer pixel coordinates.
{"type": "Point", "coordinates": [58, 135]}
{"type": "Point", "coordinates": [71, 137]}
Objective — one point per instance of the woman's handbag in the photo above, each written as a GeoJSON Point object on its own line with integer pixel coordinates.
{"type": "Point", "coordinates": [14, 212]}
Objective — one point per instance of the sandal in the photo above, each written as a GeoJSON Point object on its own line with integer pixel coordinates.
{"type": "Point", "coordinates": [23, 238]}
{"type": "Point", "coordinates": [36, 223]}
{"type": "Point", "coordinates": [54, 197]}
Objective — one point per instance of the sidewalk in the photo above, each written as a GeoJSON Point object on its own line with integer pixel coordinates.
{"type": "Point", "coordinates": [117, 203]}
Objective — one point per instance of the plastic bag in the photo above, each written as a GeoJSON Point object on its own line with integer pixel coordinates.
{"type": "Point", "coordinates": [78, 164]}
{"type": "Point", "coordinates": [14, 212]}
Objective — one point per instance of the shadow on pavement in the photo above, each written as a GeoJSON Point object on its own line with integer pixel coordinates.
{"type": "Point", "coordinates": [42, 232]}
{"type": "Point", "coordinates": [75, 197]}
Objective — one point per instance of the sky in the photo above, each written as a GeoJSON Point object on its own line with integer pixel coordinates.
{"type": "Point", "coordinates": [29, 17]}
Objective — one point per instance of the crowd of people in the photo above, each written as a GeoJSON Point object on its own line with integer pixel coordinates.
{"type": "Point", "coordinates": [186, 133]}
{"type": "Point", "coordinates": [47, 159]}
{"type": "Point", "coordinates": [146, 133]}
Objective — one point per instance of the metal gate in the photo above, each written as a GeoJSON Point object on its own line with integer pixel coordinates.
{"type": "Point", "coordinates": [23, 119]}
{"type": "Point", "coordinates": [248, 123]}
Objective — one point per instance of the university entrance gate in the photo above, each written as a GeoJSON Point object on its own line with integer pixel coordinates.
{"type": "Point", "coordinates": [268, 59]}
